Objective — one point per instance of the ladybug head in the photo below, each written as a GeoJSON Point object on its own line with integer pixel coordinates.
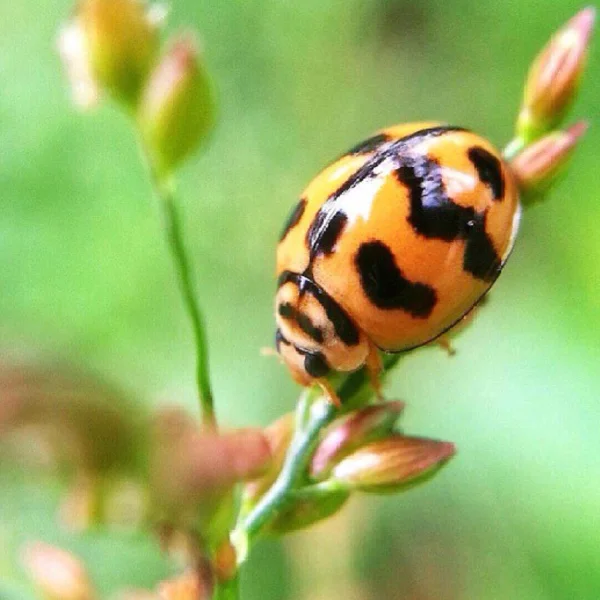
{"type": "Point", "coordinates": [314, 334]}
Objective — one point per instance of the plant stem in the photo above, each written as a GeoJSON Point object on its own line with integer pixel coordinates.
{"type": "Point", "coordinates": [513, 148]}
{"type": "Point", "coordinates": [313, 413]}
{"type": "Point", "coordinates": [227, 590]}
{"type": "Point", "coordinates": [311, 416]}
{"type": "Point", "coordinates": [173, 229]}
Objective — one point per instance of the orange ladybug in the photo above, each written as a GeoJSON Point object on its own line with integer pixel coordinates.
{"type": "Point", "coordinates": [389, 247]}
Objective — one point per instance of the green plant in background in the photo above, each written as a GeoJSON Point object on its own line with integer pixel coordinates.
{"type": "Point", "coordinates": [305, 466]}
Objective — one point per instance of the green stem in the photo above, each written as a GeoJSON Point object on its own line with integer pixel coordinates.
{"type": "Point", "coordinates": [173, 229]}
{"type": "Point", "coordinates": [513, 148]}
{"type": "Point", "coordinates": [312, 415]}
{"type": "Point", "coordinates": [227, 590]}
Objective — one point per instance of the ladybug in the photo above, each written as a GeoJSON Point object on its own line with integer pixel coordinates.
{"type": "Point", "coordinates": [390, 246]}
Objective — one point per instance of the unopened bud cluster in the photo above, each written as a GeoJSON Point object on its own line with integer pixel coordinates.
{"type": "Point", "coordinates": [554, 77]}
{"type": "Point", "coordinates": [360, 452]}
{"type": "Point", "coordinates": [113, 46]}
{"type": "Point", "coordinates": [541, 150]}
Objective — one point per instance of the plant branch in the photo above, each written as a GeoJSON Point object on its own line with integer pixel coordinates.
{"type": "Point", "coordinates": [227, 590]}
{"type": "Point", "coordinates": [314, 412]}
{"type": "Point", "coordinates": [174, 235]}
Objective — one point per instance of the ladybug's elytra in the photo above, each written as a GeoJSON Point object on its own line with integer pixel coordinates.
{"type": "Point", "coordinates": [390, 246]}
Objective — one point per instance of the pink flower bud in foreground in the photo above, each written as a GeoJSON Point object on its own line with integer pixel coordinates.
{"type": "Point", "coordinates": [538, 166]}
{"type": "Point", "coordinates": [185, 587]}
{"type": "Point", "coordinates": [358, 428]}
{"type": "Point", "coordinates": [177, 110]}
{"type": "Point", "coordinates": [121, 42]}
{"type": "Point", "coordinates": [278, 435]}
{"type": "Point", "coordinates": [193, 471]}
{"type": "Point", "coordinates": [392, 464]}
{"type": "Point", "coordinates": [554, 76]}
{"type": "Point", "coordinates": [57, 573]}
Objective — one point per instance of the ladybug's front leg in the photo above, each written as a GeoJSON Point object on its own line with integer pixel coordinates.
{"type": "Point", "coordinates": [330, 392]}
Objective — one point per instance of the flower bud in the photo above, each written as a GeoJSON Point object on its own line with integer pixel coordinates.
{"type": "Point", "coordinates": [57, 573]}
{"type": "Point", "coordinates": [308, 510]}
{"type": "Point", "coordinates": [358, 428]}
{"type": "Point", "coordinates": [177, 109]}
{"type": "Point", "coordinates": [538, 166]}
{"type": "Point", "coordinates": [278, 435]}
{"type": "Point", "coordinates": [392, 464]}
{"type": "Point", "coordinates": [193, 472]}
{"type": "Point", "coordinates": [121, 42]}
{"type": "Point", "coordinates": [554, 76]}
{"type": "Point", "coordinates": [185, 587]}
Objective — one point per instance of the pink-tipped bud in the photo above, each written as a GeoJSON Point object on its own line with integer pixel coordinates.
{"type": "Point", "coordinates": [553, 79]}
{"type": "Point", "coordinates": [177, 110]}
{"type": "Point", "coordinates": [357, 429]}
{"type": "Point", "coordinates": [392, 464]}
{"type": "Point", "coordinates": [57, 573]}
{"type": "Point", "coordinates": [120, 42]}
{"type": "Point", "coordinates": [185, 587]}
{"type": "Point", "coordinates": [278, 435]}
{"type": "Point", "coordinates": [538, 166]}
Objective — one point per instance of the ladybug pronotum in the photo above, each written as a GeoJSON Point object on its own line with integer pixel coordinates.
{"type": "Point", "coordinates": [389, 247]}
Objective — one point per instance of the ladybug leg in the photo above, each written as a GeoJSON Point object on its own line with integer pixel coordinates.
{"type": "Point", "coordinates": [330, 392]}
{"type": "Point", "coordinates": [445, 343]}
{"type": "Point", "coordinates": [374, 367]}
{"type": "Point", "coordinates": [269, 352]}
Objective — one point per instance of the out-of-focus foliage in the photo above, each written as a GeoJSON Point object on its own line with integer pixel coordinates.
{"type": "Point", "coordinates": [86, 279]}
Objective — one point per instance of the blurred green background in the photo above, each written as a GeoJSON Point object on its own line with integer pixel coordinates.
{"type": "Point", "coordinates": [85, 279]}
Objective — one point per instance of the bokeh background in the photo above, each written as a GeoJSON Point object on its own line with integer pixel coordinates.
{"type": "Point", "coordinates": [85, 281]}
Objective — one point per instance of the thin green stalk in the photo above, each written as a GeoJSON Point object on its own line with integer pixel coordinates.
{"type": "Point", "coordinates": [227, 590]}
{"type": "Point", "coordinates": [312, 415]}
{"type": "Point", "coordinates": [174, 234]}
{"type": "Point", "coordinates": [513, 148]}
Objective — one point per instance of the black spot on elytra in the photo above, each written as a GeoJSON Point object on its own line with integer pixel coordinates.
{"type": "Point", "coordinates": [489, 170]}
{"type": "Point", "coordinates": [480, 257]}
{"type": "Point", "coordinates": [343, 325]}
{"type": "Point", "coordinates": [370, 144]}
{"type": "Point", "coordinates": [315, 364]}
{"type": "Point", "coordinates": [325, 230]}
{"type": "Point", "coordinates": [293, 218]}
{"type": "Point", "coordinates": [330, 220]}
{"type": "Point", "coordinates": [434, 215]}
{"type": "Point", "coordinates": [385, 285]}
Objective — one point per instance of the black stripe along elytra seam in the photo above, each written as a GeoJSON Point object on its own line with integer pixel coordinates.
{"type": "Point", "coordinates": [385, 285]}
{"type": "Point", "coordinates": [293, 218]}
{"type": "Point", "coordinates": [330, 220]}
{"type": "Point", "coordinates": [370, 144]}
{"type": "Point", "coordinates": [434, 215]}
{"type": "Point", "coordinates": [489, 170]}
{"type": "Point", "coordinates": [325, 231]}
{"type": "Point", "coordinates": [343, 325]}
